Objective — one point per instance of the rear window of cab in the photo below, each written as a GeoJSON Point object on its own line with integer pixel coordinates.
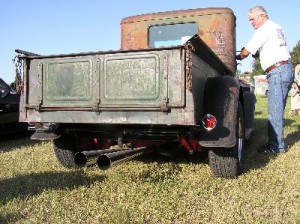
{"type": "Point", "coordinates": [171, 34]}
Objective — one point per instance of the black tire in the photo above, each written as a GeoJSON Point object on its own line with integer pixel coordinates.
{"type": "Point", "coordinates": [228, 162]}
{"type": "Point", "coordinates": [65, 149]}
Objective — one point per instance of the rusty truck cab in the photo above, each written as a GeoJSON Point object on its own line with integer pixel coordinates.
{"type": "Point", "coordinates": [215, 26]}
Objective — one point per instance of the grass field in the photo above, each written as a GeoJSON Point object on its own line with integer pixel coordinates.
{"type": "Point", "coordinates": [34, 188]}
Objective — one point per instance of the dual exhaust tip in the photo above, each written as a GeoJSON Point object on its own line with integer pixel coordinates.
{"type": "Point", "coordinates": [106, 158]}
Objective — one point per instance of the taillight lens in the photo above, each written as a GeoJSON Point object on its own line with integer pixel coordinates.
{"type": "Point", "coordinates": [209, 122]}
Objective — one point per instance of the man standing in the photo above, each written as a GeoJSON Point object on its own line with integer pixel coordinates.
{"type": "Point", "coordinates": [269, 43]}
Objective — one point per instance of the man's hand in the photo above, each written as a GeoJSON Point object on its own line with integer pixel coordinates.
{"type": "Point", "coordinates": [238, 57]}
{"type": "Point", "coordinates": [243, 54]}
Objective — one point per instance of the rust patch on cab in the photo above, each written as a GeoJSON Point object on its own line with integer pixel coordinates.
{"type": "Point", "coordinates": [216, 27]}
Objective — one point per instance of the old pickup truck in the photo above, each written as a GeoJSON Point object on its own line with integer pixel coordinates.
{"type": "Point", "coordinates": [172, 85]}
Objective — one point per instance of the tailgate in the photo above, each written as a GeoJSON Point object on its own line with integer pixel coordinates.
{"type": "Point", "coordinates": [150, 80]}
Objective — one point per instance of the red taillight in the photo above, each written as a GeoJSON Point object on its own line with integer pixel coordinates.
{"type": "Point", "coordinates": [209, 122]}
{"type": "Point", "coordinates": [95, 140]}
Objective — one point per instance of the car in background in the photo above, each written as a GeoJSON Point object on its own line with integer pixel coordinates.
{"type": "Point", "coordinates": [9, 110]}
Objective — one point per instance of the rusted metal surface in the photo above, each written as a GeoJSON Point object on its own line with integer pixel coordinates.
{"type": "Point", "coordinates": [188, 67]}
{"type": "Point", "coordinates": [120, 80]}
{"type": "Point", "coordinates": [216, 27]}
{"type": "Point", "coordinates": [117, 87]}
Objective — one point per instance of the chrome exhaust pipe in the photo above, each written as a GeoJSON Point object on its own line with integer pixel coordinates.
{"type": "Point", "coordinates": [86, 158]}
{"type": "Point", "coordinates": [104, 161]}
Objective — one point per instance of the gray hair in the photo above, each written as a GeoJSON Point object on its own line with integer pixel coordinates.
{"type": "Point", "coordinates": [258, 10]}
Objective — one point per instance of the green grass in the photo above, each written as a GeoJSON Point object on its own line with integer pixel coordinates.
{"type": "Point", "coordinates": [34, 188]}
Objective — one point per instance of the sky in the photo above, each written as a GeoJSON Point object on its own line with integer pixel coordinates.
{"type": "Point", "coordinates": [71, 26]}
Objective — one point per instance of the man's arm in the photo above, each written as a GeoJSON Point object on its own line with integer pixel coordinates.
{"type": "Point", "coordinates": [243, 54]}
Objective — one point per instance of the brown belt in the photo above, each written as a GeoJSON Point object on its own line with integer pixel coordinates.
{"type": "Point", "coordinates": [276, 65]}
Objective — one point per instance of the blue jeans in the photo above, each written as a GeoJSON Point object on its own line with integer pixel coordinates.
{"type": "Point", "coordinates": [279, 80]}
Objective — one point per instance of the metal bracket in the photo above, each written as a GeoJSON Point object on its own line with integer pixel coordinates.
{"type": "Point", "coordinates": [36, 107]}
{"type": "Point", "coordinates": [164, 105]}
{"type": "Point", "coordinates": [96, 106]}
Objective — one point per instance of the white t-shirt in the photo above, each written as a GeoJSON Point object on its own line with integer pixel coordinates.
{"type": "Point", "coordinates": [269, 39]}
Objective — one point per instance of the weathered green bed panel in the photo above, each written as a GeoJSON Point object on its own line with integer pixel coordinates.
{"type": "Point", "coordinates": [140, 79]}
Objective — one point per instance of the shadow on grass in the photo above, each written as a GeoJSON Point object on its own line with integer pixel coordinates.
{"type": "Point", "coordinates": [256, 113]}
{"type": "Point", "coordinates": [13, 141]}
{"type": "Point", "coordinates": [15, 135]}
{"type": "Point", "coordinates": [36, 183]}
{"type": "Point", "coordinates": [255, 160]}
{"type": "Point", "coordinates": [294, 137]}
{"type": "Point", "coordinates": [181, 157]}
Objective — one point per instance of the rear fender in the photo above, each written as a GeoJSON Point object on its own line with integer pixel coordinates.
{"type": "Point", "coordinates": [249, 101]}
{"type": "Point", "coordinates": [221, 98]}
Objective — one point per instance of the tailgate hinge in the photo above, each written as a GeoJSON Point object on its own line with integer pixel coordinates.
{"type": "Point", "coordinates": [164, 105]}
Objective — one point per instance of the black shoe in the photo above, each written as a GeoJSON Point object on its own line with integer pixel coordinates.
{"type": "Point", "coordinates": [269, 148]}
